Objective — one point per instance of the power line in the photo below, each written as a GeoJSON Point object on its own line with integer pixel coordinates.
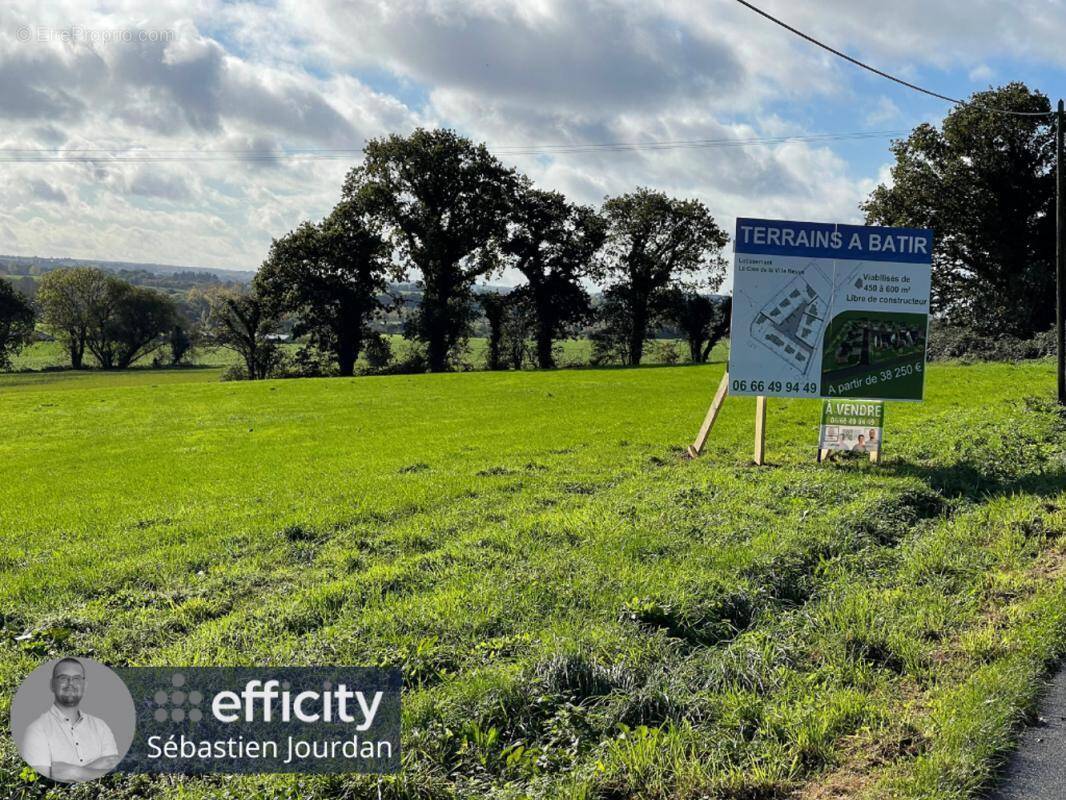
{"type": "Point", "coordinates": [120, 155]}
{"type": "Point", "coordinates": [691, 143]}
{"type": "Point", "coordinates": [883, 74]}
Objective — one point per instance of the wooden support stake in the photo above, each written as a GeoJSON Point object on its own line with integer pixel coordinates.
{"type": "Point", "coordinates": [760, 429]}
{"type": "Point", "coordinates": [696, 447]}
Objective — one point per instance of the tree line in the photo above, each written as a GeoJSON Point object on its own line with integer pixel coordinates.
{"type": "Point", "coordinates": [438, 205]}
{"type": "Point", "coordinates": [92, 312]}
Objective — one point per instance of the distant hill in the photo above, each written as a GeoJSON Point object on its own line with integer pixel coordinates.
{"type": "Point", "coordinates": [176, 280]}
{"type": "Point", "coordinates": [37, 265]}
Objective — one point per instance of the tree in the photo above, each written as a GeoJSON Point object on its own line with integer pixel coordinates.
{"type": "Point", "coordinates": [127, 323]}
{"type": "Point", "coordinates": [613, 329]}
{"type": "Point", "coordinates": [332, 277]}
{"type": "Point", "coordinates": [652, 241]}
{"type": "Point", "coordinates": [17, 319]}
{"type": "Point", "coordinates": [443, 201]}
{"type": "Point", "coordinates": [69, 300]}
{"type": "Point", "coordinates": [702, 320]}
{"type": "Point", "coordinates": [494, 307]}
{"type": "Point", "coordinates": [984, 184]}
{"type": "Point", "coordinates": [181, 342]}
{"type": "Point", "coordinates": [553, 244]}
{"type": "Point", "coordinates": [518, 330]}
{"type": "Point", "coordinates": [243, 321]}
{"type": "Point", "coordinates": [378, 351]}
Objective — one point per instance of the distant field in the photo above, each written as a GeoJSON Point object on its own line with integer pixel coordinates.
{"type": "Point", "coordinates": [574, 352]}
{"type": "Point", "coordinates": [579, 611]}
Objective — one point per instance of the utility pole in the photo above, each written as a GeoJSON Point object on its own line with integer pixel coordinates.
{"type": "Point", "coordinates": [1060, 269]}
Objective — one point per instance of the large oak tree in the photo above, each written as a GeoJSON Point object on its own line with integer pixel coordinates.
{"type": "Point", "coordinates": [332, 276]}
{"type": "Point", "coordinates": [443, 202]}
{"type": "Point", "coordinates": [984, 183]}
{"type": "Point", "coordinates": [654, 241]}
{"type": "Point", "coordinates": [553, 244]}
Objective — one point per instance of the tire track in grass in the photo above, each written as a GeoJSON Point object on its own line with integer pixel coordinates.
{"type": "Point", "coordinates": [361, 551]}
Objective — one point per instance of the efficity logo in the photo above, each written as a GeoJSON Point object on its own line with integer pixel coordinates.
{"type": "Point", "coordinates": [260, 700]}
{"type": "Point", "coordinates": [242, 719]}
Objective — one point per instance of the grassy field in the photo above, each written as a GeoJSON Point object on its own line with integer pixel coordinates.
{"type": "Point", "coordinates": [579, 611]}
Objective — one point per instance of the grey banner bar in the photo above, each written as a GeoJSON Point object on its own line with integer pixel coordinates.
{"type": "Point", "coordinates": [264, 719]}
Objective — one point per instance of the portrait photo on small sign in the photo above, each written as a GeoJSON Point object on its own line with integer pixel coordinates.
{"type": "Point", "coordinates": [855, 426]}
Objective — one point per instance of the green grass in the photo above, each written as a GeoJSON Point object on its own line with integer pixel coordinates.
{"type": "Point", "coordinates": [579, 611]}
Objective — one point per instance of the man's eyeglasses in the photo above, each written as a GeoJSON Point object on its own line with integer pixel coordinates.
{"type": "Point", "coordinates": [64, 680]}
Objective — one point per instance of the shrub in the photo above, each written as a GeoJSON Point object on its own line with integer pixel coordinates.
{"type": "Point", "coordinates": [234, 372]}
{"type": "Point", "coordinates": [378, 351]}
{"type": "Point", "coordinates": [413, 362]}
{"type": "Point", "coordinates": [307, 362]}
{"type": "Point", "coordinates": [665, 352]}
{"type": "Point", "coordinates": [960, 342]}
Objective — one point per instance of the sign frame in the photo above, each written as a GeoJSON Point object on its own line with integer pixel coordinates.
{"type": "Point", "coordinates": [827, 310]}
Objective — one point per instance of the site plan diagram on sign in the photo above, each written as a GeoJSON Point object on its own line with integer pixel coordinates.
{"type": "Point", "coordinates": [790, 325]}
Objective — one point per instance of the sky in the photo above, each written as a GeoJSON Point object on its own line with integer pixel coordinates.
{"type": "Point", "coordinates": [118, 81]}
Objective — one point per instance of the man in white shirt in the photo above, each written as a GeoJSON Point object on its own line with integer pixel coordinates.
{"type": "Point", "coordinates": [64, 743]}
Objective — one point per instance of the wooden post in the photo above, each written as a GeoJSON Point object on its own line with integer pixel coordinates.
{"type": "Point", "coordinates": [760, 429]}
{"type": "Point", "coordinates": [696, 447]}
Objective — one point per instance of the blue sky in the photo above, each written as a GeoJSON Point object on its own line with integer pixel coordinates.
{"type": "Point", "coordinates": [207, 76]}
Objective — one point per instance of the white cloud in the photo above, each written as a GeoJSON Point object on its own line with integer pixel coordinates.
{"type": "Point", "coordinates": [328, 74]}
{"type": "Point", "coordinates": [883, 111]}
